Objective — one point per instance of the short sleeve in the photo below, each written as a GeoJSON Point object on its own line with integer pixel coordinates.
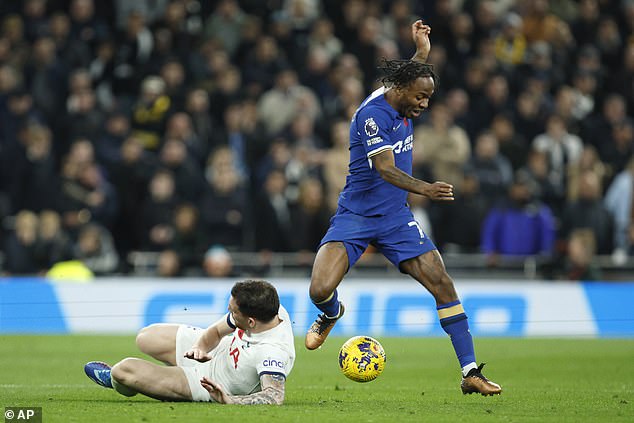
{"type": "Point", "coordinates": [272, 360]}
{"type": "Point", "coordinates": [230, 321]}
{"type": "Point", "coordinates": [374, 126]}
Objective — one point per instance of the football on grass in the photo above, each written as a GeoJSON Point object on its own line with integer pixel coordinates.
{"type": "Point", "coordinates": [362, 358]}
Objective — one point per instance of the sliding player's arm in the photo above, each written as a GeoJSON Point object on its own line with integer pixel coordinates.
{"type": "Point", "coordinates": [210, 339]}
{"type": "Point", "coordinates": [272, 392]}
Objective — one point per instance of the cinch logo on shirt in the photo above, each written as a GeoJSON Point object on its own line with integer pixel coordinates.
{"type": "Point", "coordinates": [371, 128]}
{"type": "Point", "coordinates": [273, 363]}
{"type": "Point", "coordinates": [402, 146]}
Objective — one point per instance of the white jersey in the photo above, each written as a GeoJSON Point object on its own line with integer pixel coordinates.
{"type": "Point", "coordinates": [241, 358]}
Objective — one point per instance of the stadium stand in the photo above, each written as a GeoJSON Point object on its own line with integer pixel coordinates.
{"type": "Point", "coordinates": [154, 136]}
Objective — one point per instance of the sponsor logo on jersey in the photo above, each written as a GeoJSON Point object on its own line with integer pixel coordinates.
{"type": "Point", "coordinates": [269, 362]}
{"type": "Point", "coordinates": [403, 145]}
{"type": "Point", "coordinates": [374, 140]}
{"type": "Point", "coordinates": [371, 128]}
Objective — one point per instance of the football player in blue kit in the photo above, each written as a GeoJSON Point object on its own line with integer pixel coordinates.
{"type": "Point", "coordinates": [373, 209]}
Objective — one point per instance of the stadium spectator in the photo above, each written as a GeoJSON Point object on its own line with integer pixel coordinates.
{"type": "Point", "coordinates": [619, 201]}
{"type": "Point", "coordinates": [53, 243]}
{"type": "Point", "coordinates": [185, 169]}
{"type": "Point", "coordinates": [442, 146]}
{"type": "Point", "coordinates": [520, 227]}
{"type": "Point", "coordinates": [33, 180]}
{"type": "Point", "coordinates": [179, 126]}
{"type": "Point", "coordinates": [494, 171]}
{"type": "Point", "coordinates": [150, 112]}
{"type": "Point", "coordinates": [547, 190]}
{"type": "Point", "coordinates": [595, 128]}
{"type": "Point", "coordinates": [511, 144]}
{"type": "Point", "coordinates": [168, 264]}
{"type": "Point", "coordinates": [589, 161]}
{"type": "Point", "coordinates": [623, 81]}
{"type": "Point", "coordinates": [262, 66]}
{"type": "Point", "coordinates": [459, 224]}
{"type": "Point", "coordinates": [335, 166]}
{"type": "Point", "coordinates": [273, 230]}
{"type": "Point", "coordinates": [279, 106]}
{"type": "Point", "coordinates": [95, 249]}
{"type": "Point", "coordinates": [539, 24]}
{"type": "Point", "coordinates": [510, 43]}
{"type": "Point", "coordinates": [188, 239]}
{"type": "Point", "coordinates": [225, 24]}
{"type": "Point", "coordinates": [589, 212]}
{"type": "Point", "coordinates": [264, 326]}
{"type": "Point", "coordinates": [618, 145]}
{"type": "Point", "coordinates": [20, 245]}
{"type": "Point", "coordinates": [135, 45]}
{"type": "Point", "coordinates": [224, 204]}
{"type": "Point", "coordinates": [227, 90]}
{"type": "Point", "coordinates": [561, 147]}
{"type": "Point", "coordinates": [203, 125]}
{"type": "Point", "coordinates": [155, 214]}
{"type": "Point", "coordinates": [217, 262]}
{"type": "Point", "coordinates": [322, 36]}
{"type": "Point", "coordinates": [579, 264]}
{"type": "Point", "coordinates": [309, 216]}
{"type": "Point", "coordinates": [131, 175]}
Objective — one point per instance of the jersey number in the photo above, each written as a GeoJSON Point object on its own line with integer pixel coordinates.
{"type": "Point", "coordinates": [420, 230]}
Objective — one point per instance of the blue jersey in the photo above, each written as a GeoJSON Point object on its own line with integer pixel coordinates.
{"type": "Point", "coordinates": [376, 127]}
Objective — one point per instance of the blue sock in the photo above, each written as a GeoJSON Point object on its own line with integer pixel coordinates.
{"type": "Point", "coordinates": [454, 321]}
{"type": "Point", "coordinates": [330, 306]}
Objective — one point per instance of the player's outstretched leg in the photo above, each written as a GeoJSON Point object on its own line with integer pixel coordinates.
{"type": "Point", "coordinates": [321, 327]}
{"type": "Point", "coordinates": [99, 372]}
{"type": "Point", "coordinates": [429, 270]}
{"type": "Point", "coordinates": [331, 264]}
{"type": "Point", "coordinates": [476, 382]}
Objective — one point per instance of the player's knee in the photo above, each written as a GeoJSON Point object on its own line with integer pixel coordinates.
{"type": "Point", "coordinates": [319, 292]}
{"type": "Point", "coordinates": [143, 339]}
{"type": "Point", "coordinates": [123, 370]}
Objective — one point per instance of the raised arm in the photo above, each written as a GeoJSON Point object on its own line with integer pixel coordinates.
{"type": "Point", "coordinates": [420, 35]}
{"type": "Point", "coordinates": [272, 392]}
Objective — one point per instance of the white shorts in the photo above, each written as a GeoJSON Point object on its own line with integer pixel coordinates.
{"type": "Point", "coordinates": [186, 336]}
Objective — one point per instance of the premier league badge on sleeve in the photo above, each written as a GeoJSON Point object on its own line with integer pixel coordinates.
{"type": "Point", "coordinates": [371, 128]}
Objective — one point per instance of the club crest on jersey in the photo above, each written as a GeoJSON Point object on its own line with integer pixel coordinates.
{"type": "Point", "coordinates": [371, 128]}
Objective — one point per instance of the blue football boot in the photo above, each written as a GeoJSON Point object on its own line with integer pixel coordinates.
{"type": "Point", "coordinates": [99, 372]}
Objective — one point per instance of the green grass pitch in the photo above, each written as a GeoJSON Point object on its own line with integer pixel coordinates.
{"type": "Point", "coordinates": [558, 380]}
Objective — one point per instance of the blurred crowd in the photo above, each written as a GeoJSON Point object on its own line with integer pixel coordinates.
{"type": "Point", "coordinates": [194, 129]}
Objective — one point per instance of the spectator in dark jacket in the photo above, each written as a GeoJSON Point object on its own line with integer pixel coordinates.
{"type": "Point", "coordinates": [522, 227]}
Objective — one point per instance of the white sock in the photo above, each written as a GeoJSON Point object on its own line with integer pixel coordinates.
{"type": "Point", "coordinates": [468, 367]}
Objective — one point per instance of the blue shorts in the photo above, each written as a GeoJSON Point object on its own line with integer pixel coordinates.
{"type": "Point", "coordinates": [397, 236]}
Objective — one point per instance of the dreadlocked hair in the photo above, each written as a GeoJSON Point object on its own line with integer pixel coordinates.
{"type": "Point", "coordinates": [400, 73]}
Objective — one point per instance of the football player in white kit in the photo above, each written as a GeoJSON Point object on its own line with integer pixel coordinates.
{"type": "Point", "coordinates": [243, 358]}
